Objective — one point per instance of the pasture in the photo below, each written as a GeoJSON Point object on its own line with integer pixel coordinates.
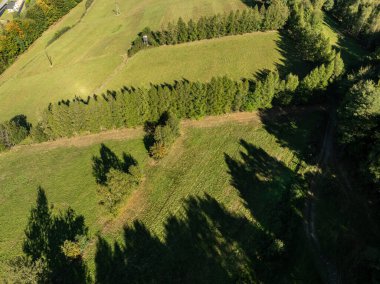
{"type": "Point", "coordinates": [201, 163]}
{"type": "Point", "coordinates": [85, 56]}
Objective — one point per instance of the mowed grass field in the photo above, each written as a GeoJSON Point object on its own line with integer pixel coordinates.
{"type": "Point", "coordinates": [197, 165]}
{"type": "Point", "coordinates": [235, 56]}
{"type": "Point", "coordinates": [85, 56]}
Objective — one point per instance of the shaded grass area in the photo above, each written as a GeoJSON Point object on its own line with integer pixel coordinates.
{"type": "Point", "coordinates": [347, 228]}
{"type": "Point", "coordinates": [229, 195]}
{"type": "Point", "coordinates": [66, 175]}
{"type": "Point", "coordinates": [235, 175]}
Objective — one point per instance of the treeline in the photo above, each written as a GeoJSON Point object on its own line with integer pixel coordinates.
{"type": "Point", "coordinates": [360, 18]}
{"type": "Point", "coordinates": [358, 133]}
{"type": "Point", "coordinates": [20, 33]}
{"type": "Point", "coordinates": [239, 22]}
{"type": "Point", "coordinates": [131, 107]}
{"type": "Point", "coordinates": [305, 26]}
{"type": "Point", "coordinates": [359, 129]}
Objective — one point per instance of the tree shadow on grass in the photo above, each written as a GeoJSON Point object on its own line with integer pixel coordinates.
{"type": "Point", "coordinates": [46, 234]}
{"type": "Point", "coordinates": [101, 165]}
{"type": "Point", "coordinates": [299, 129]}
{"type": "Point", "coordinates": [210, 244]}
{"type": "Point", "coordinates": [291, 61]}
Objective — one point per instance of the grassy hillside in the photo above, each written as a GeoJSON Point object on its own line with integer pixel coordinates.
{"type": "Point", "coordinates": [87, 54]}
{"type": "Point", "coordinates": [200, 163]}
{"type": "Point", "coordinates": [235, 56]}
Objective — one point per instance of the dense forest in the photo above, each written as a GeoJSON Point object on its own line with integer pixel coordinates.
{"type": "Point", "coordinates": [360, 18]}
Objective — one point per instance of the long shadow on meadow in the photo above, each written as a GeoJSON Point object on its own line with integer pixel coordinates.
{"type": "Point", "coordinates": [299, 129]}
{"type": "Point", "coordinates": [210, 244]}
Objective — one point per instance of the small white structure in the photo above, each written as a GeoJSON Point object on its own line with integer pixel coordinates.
{"type": "Point", "coordinates": [145, 40]}
{"type": "Point", "coordinates": [16, 7]}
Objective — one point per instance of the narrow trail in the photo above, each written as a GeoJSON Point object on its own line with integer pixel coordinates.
{"type": "Point", "coordinates": [134, 133]}
{"type": "Point", "coordinates": [115, 72]}
{"type": "Point", "coordinates": [327, 269]}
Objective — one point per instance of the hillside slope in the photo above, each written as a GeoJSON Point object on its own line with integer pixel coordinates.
{"type": "Point", "coordinates": [88, 53]}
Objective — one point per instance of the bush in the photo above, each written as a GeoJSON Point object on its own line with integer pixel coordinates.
{"type": "Point", "coordinates": [119, 185]}
{"type": "Point", "coordinates": [164, 135]}
{"type": "Point", "coordinates": [38, 134]}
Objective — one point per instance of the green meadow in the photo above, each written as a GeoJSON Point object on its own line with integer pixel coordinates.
{"type": "Point", "coordinates": [85, 56]}
{"type": "Point", "coordinates": [199, 164]}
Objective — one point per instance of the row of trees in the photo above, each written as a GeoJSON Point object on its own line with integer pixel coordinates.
{"type": "Point", "coordinates": [361, 18]}
{"type": "Point", "coordinates": [306, 29]}
{"type": "Point", "coordinates": [249, 20]}
{"type": "Point", "coordinates": [131, 107]}
{"type": "Point", "coordinates": [20, 33]}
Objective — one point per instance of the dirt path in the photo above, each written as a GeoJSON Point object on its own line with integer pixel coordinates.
{"type": "Point", "coordinates": [133, 133]}
{"type": "Point", "coordinates": [327, 269]}
{"type": "Point", "coordinates": [115, 72]}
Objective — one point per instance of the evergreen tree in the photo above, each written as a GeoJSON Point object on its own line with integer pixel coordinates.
{"type": "Point", "coordinates": [192, 31]}
{"type": "Point", "coordinates": [182, 31]}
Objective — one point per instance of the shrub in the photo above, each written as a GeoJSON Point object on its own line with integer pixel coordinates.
{"type": "Point", "coordinates": [164, 135]}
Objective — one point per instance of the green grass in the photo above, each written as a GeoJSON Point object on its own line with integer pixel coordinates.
{"type": "Point", "coordinates": [65, 174]}
{"type": "Point", "coordinates": [195, 166]}
{"type": "Point", "coordinates": [234, 56]}
{"type": "Point", "coordinates": [351, 51]}
{"type": "Point", "coordinates": [85, 56]}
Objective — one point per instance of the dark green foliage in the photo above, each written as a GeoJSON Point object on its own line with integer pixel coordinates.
{"type": "Point", "coordinates": [116, 178]}
{"type": "Point", "coordinates": [320, 77]}
{"type": "Point", "coordinates": [359, 127]}
{"type": "Point", "coordinates": [108, 160]}
{"type": "Point", "coordinates": [360, 18]}
{"type": "Point", "coordinates": [132, 107]}
{"type": "Point", "coordinates": [45, 235]}
{"type": "Point", "coordinates": [14, 131]}
{"type": "Point", "coordinates": [234, 23]}
{"type": "Point", "coordinates": [163, 134]}
{"type": "Point", "coordinates": [119, 185]}
{"type": "Point", "coordinates": [306, 29]}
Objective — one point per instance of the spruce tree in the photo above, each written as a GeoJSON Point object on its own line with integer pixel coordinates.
{"type": "Point", "coordinates": [192, 31]}
{"type": "Point", "coordinates": [182, 31]}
